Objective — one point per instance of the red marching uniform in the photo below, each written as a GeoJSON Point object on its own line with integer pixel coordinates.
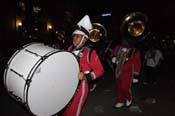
{"type": "Point", "coordinates": [131, 67]}
{"type": "Point", "coordinates": [91, 65]}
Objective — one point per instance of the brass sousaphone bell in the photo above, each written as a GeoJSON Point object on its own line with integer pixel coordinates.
{"type": "Point", "coordinates": [134, 27]}
{"type": "Point", "coordinates": [98, 35]}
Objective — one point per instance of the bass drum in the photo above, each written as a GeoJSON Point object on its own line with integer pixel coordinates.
{"type": "Point", "coordinates": [42, 78]}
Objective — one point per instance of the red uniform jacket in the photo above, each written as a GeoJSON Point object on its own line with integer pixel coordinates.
{"type": "Point", "coordinates": [132, 65]}
{"type": "Point", "coordinates": [91, 65]}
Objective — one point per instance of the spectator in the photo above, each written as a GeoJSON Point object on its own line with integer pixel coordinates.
{"type": "Point", "coordinates": [153, 58]}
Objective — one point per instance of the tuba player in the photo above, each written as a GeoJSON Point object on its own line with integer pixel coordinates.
{"type": "Point", "coordinates": [127, 64]}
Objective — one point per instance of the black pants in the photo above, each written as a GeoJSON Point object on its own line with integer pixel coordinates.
{"type": "Point", "coordinates": [150, 74]}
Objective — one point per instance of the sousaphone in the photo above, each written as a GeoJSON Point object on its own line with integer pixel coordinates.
{"type": "Point", "coordinates": [98, 35]}
{"type": "Point", "coordinates": [134, 28]}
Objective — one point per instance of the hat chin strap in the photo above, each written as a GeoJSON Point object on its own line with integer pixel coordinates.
{"type": "Point", "coordinates": [80, 44]}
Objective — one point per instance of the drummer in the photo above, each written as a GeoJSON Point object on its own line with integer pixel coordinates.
{"type": "Point", "coordinates": [90, 66]}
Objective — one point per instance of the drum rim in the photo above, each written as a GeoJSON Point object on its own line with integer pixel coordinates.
{"type": "Point", "coordinates": [33, 68]}
{"type": "Point", "coordinates": [12, 57]}
{"type": "Point", "coordinates": [7, 68]}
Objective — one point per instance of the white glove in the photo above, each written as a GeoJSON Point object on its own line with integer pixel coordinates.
{"type": "Point", "coordinates": [124, 49]}
{"type": "Point", "coordinates": [86, 72]}
{"type": "Point", "coordinates": [114, 60]}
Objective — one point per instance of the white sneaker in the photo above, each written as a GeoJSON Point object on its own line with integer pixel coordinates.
{"type": "Point", "coordinates": [135, 80]}
{"type": "Point", "coordinates": [128, 103]}
{"type": "Point", "coordinates": [119, 105]}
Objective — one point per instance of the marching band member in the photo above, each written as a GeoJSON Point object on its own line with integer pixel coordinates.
{"type": "Point", "coordinates": [90, 66]}
{"type": "Point", "coordinates": [128, 63]}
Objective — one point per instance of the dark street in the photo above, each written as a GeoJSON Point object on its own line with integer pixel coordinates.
{"type": "Point", "coordinates": [148, 100]}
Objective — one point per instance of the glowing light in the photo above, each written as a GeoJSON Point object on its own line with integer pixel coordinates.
{"type": "Point", "coordinates": [49, 26]}
{"type": "Point", "coordinates": [36, 29]}
{"type": "Point", "coordinates": [18, 23]}
{"type": "Point", "coordinates": [106, 14]}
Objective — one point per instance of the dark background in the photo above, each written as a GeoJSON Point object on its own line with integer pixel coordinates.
{"type": "Point", "coordinates": [68, 12]}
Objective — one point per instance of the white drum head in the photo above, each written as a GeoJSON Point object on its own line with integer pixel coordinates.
{"type": "Point", "coordinates": [53, 84]}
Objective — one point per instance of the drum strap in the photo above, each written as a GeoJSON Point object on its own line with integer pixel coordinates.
{"type": "Point", "coordinates": [89, 53]}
